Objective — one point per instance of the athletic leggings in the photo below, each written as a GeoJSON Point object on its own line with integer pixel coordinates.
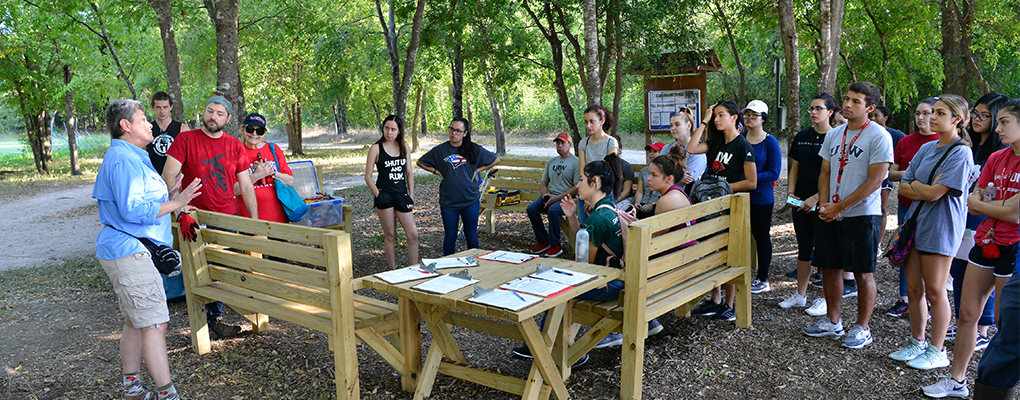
{"type": "Point", "coordinates": [761, 222]}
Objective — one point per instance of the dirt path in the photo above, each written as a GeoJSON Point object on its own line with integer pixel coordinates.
{"type": "Point", "coordinates": [48, 228]}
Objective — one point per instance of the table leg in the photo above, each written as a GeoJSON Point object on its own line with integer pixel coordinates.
{"type": "Point", "coordinates": [410, 344]}
{"type": "Point", "coordinates": [441, 331]}
{"type": "Point", "coordinates": [429, 371]}
{"type": "Point", "coordinates": [543, 359]}
{"type": "Point", "coordinates": [561, 343]}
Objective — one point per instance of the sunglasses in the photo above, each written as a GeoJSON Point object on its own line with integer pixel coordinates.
{"type": "Point", "coordinates": [255, 129]}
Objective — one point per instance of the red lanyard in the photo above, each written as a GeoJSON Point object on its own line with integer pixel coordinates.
{"type": "Point", "coordinates": [844, 158]}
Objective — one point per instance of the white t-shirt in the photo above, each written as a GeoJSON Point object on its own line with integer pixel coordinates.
{"type": "Point", "coordinates": [873, 146]}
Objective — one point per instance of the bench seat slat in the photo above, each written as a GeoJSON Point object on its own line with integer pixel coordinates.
{"type": "Point", "coordinates": [669, 300]}
{"type": "Point", "coordinates": [294, 233]}
{"type": "Point", "coordinates": [508, 184]}
{"type": "Point", "coordinates": [275, 287]}
{"type": "Point", "coordinates": [305, 276]}
{"type": "Point", "coordinates": [676, 276]}
{"type": "Point", "coordinates": [523, 173]}
{"type": "Point", "coordinates": [301, 314]}
{"type": "Point", "coordinates": [686, 214]}
{"type": "Point", "coordinates": [261, 244]}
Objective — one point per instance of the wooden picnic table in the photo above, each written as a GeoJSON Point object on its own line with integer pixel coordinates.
{"type": "Point", "coordinates": [549, 346]}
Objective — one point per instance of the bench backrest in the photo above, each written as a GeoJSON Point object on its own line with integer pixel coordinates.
{"type": "Point", "coordinates": [314, 261]}
{"type": "Point", "coordinates": [526, 175]}
{"type": "Point", "coordinates": [655, 273]}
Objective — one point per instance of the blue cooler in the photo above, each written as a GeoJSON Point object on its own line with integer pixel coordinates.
{"type": "Point", "coordinates": [174, 287]}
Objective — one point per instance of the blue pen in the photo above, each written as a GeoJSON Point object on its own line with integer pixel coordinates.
{"type": "Point", "coordinates": [515, 294]}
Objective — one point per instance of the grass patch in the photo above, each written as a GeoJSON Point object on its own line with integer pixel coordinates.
{"type": "Point", "coordinates": [334, 163]}
{"type": "Point", "coordinates": [70, 277]}
{"type": "Point", "coordinates": [18, 176]}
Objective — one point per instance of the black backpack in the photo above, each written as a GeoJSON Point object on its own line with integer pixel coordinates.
{"type": "Point", "coordinates": [709, 187]}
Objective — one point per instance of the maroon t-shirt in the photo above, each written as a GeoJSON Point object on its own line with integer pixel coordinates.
{"type": "Point", "coordinates": [216, 162]}
{"type": "Point", "coordinates": [905, 151]}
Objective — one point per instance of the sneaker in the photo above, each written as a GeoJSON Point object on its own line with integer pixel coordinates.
{"type": "Point", "coordinates": [947, 386]}
{"type": "Point", "coordinates": [849, 291]}
{"type": "Point", "coordinates": [144, 395]}
{"type": "Point", "coordinates": [949, 284]}
{"type": "Point", "coordinates": [580, 361]}
{"type": "Point", "coordinates": [224, 330]}
{"type": "Point", "coordinates": [554, 251]}
{"type": "Point", "coordinates": [910, 351]}
{"type": "Point", "coordinates": [792, 274]}
{"type": "Point", "coordinates": [898, 310]}
{"type": "Point", "coordinates": [816, 283]}
{"type": "Point", "coordinates": [707, 308]}
{"type": "Point", "coordinates": [857, 337]}
{"type": "Point", "coordinates": [818, 308]}
{"type": "Point", "coordinates": [759, 286]}
{"type": "Point", "coordinates": [930, 359]}
{"type": "Point", "coordinates": [654, 327]}
{"type": "Point", "coordinates": [725, 313]}
{"type": "Point", "coordinates": [523, 352]}
{"type": "Point", "coordinates": [614, 339]}
{"type": "Point", "coordinates": [982, 342]}
{"type": "Point", "coordinates": [825, 328]}
{"type": "Point", "coordinates": [540, 248]}
{"type": "Point", "coordinates": [796, 300]}
{"type": "Point", "coordinates": [951, 333]}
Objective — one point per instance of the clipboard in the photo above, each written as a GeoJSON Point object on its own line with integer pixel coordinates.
{"type": "Point", "coordinates": [508, 299]}
{"type": "Point", "coordinates": [451, 262]}
{"type": "Point", "coordinates": [564, 276]}
{"type": "Point", "coordinates": [508, 257]}
{"type": "Point", "coordinates": [447, 283]}
{"type": "Point", "coordinates": [535, 286]}
{"type": "Point", "coordinates": [408, 274]}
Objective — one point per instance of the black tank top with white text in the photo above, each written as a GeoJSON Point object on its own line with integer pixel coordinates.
{"type": "Point", "coordinates": [392, 176]}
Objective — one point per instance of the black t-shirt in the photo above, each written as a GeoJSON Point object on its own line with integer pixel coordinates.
{"type": "Point", "coordinates": [161, 141]}
{"type": "Point", "coordinates": [728, 162]}
{"type": "Point", "coordinates": [806, 145]}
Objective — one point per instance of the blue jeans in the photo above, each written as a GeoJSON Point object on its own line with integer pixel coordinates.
{"type": "Point", "coordinates": [901, 217]}
{"type": "Point", "coordinates": [1000, 364]}
{"type": "Point", "coordinates": [469, 215]}
{"type": "Point", "coordinates": [535, 211]}
{"type": "Point", "coordinates": [582, 215]}
{"type": "Point", "coordinates": [957, 271]}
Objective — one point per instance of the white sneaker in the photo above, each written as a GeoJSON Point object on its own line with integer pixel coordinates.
{"type": "Point", "coordinates": [858, 337]}
{"type": "Point", "coordinates": [949, 284]}
{"type": "Point", "coordinates": [818, 308]}
{"type": "Point", "coordinates": [931, 358]}
{"type": "Point", "coordinates": [794, 301]}
{"type": "Point", "coordinates": [910, 351]}
{"type": "Point", "coordinates": [825, 328]}
{"type": "Point", "coordinates": [947, 386]}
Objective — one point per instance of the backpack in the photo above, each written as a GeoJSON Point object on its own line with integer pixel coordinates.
{"type": "Point", "coordinates": [709, 187]}
{"type": "Point", "coordinates": [624, 218]}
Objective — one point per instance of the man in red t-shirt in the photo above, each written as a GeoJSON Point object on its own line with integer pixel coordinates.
{"type": "Point", "coordinates": [219, 161]}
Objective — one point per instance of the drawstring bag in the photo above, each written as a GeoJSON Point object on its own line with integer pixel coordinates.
{"type": "Point", "coordinates": [164, 257]}
{"type": "Point", "coordinates": [293, 205]}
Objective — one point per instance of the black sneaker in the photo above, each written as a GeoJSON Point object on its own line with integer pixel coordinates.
{"type": "Point", "coordinates": [792, 274]}
{"type": "Point", "coordinates": [759, 286]}
{"type": "Point", "coordinates": [223, 330]}
{"type": "Point", "coordinates": [816, 283]}
{"type": "Point", "coordinates": [725, 313]}
{"type": "Point", "coordinates": [849, 290]}
{"type": "Point", "coordinates": [898, 310]}
{"type": "Point", "coordinates": [707, 308]}
{"type": "Point", "coordinates": [581, 361]}
{"type": "Point", "coordinates": [523, 352]}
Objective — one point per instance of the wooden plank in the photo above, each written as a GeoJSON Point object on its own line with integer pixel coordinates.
{"type": "Point", "coordinates": [634, 323]}
{"type": "Point", "coordinates": [543, 357]}
{"type": "Point", "coordinates": [509, 184]}
{"type": "Point", "coordinates": [740, 230]}
{"type": "Point", "coordinates": [195, 274]}
{"type": "Point", "coordinates": [510, 174]}
{"type": "Point", "coordinates": [686, 255]}
{"type": "Point", "coordinates": [410, 344]}
{"type": "Point", "coordinates": [259, 322]}
{"type": "Point", "coordinates": [294, 233]}
{"type": "Point", "coordinates": [519, 163]}
{"type": "Point", "coordinates": [261, 244]}
{"type": "Point", "coordinates": [383, 347]}
{"type": "Point", "coordinates": [485, 378]}
{"type": "Point", "coordinates": [478, 324]}
{"type": "Point", "coordinates": [688, 234]}
{"type": "Point", "coordinates": [340, 267]}
{"type": "Point", "coordinates": [693, 290]}
{"type": "Point", "coordinates": [680, 275]}
{"type": "Point", "coordinates": [429, 371]}
{"type": "Point", "coordinates": [668, 220]}
{"type": "Point", "coordinates": [301, 314]}
{"type": "Point", "coordinates": [288, 272]}
{"type": "Point", "coordinates": [272, 287]}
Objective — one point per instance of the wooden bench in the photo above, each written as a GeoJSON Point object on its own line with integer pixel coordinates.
{"type": "Point", "coordinates": [675, 281]}
{"type": "Point", "coordinates": [526, 176]}
{"type": "Point", "coordinates": [307, 280]}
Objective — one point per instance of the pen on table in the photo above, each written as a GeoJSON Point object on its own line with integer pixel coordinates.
{"type": "Point", "coordinates": [562, 272]}
{"type": "Point", "coordinates": [515, 294]}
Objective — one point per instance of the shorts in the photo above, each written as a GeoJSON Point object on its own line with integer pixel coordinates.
{"type": "Point", "coordinates": [1002, 267]}
{"type": "Point", "coordinates": [139, 289]}
{"type": "Point", "coordinates": [399, 202]}
{"type": "Point", "coordinates": [850, 244]}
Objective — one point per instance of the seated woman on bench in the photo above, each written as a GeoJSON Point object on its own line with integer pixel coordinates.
{"type": "Point", "coordinates": [665, 173]}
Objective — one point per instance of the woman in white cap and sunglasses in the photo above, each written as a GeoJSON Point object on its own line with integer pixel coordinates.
{"type": "Point", "coordinates": [768, 160]}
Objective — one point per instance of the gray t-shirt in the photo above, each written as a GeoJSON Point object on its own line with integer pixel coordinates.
{"type": "Point", "coordinates": [873, 146]}
{"type": "Point", "coordinates": [561, 174]}
{"type": "Point", "coordinates": [628, 178]}
{"type": "Point", "coordinates": [940, 224]}
{"type": "Point", "coordinates": [649, 196]}
{"type": "Point", "coordinates": [596, 152]}
{"type": "Point", "coordinates": [696, 163]}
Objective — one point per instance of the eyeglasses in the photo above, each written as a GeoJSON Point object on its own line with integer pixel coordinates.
{"type": "Point", "coordinates": [457, 131]}
{"type": "Point", "coordinates": [816, 109]}
{"type": "Point", "coordinates": [980, 117]}
{"type": "Point", "coordinates": [751, 115]}
{"type": "Point", "coordinates": [922, 114]}
{"type": "Point", "coordinates": [255, 129]}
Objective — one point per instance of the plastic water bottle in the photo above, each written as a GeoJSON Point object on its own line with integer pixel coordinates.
{"type": "Point", "coordinates": [581, 245]}
{"type": "Point", "coordinates": [989, 193]}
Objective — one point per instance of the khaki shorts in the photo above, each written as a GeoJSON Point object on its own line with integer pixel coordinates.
{"type": "Point", "coordinates": [139, 289]}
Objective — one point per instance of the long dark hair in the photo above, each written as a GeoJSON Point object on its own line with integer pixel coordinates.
{"type": "Point", "coordinates": [672, 163]}
{"type": "Point", "coordinates": [467, 148]}
{"type": "Point", "coordinates": [602, 111]}
{"type": "Point", "coordinates": [616, 164]}
{"type": "Point", "coordinates": [830, 104]}
{"type": "Point", "coordinates": [400, 135]}
{"type": "Point", "coordinates": [716, 138]}
{"type": "Point", "coordinates": [604, 171]}
{"type": "Point", "coordinates": [994, 101]}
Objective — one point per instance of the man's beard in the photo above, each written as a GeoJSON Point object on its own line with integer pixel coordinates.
{"type": "Point", "coordinates": [211, 126]}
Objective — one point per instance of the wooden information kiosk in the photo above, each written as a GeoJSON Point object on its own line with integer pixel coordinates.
{"type": "Point", "coordinates": [674, 81]}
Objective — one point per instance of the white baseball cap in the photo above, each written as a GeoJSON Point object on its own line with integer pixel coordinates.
{"type": "Point", "coordinates": [757, 106]}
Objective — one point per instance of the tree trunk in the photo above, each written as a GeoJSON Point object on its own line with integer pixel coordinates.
{"type": "Point", "coordinates": [736, 55]}
{"type": "Point", "coordinates": [223, 14]}
{"type": "Point", "coordinates": [592, 82]}
{"type": "Point", "coordinates": [414, 120]}
{"type": "Point", "coordinates": [830, 33]}
{"type": "Point", "coordinates": [71, 122]}
{"type": "Point", "coordinates": [497, 115]}
{"type": "Point", "coordinates": [556, 45]}
{"type": "Point", "coordinates": [470, 116]}
{"type": "Point", "coordinates": [883, 43]}
{"type": "Point", "coordinates": [958, 66]}
{"type": "Point", "coordinates": [401, 81]}
{"type": "Point", "coordinates": [164, 15]}
{"type": "Point", "coordinates": [424, 120]}
{"type": "Point", "coordinates": [618, 84]}
{"type": "Point", "coordinates": [457, 72]}
{"type": "Point", "coordinates": [293, 114]}
{"type": "Point", "coordinates": [340, 116]}
{"type": "Point", "coordinates": [788, 30]}
{"type": "Point", "coordinates": [375, 107]}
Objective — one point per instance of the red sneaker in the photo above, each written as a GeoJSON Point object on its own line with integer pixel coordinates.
{"type": "Point", "coordinates": [554, 251]}
{"type": "Point", "coordinates": [540, 248]}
